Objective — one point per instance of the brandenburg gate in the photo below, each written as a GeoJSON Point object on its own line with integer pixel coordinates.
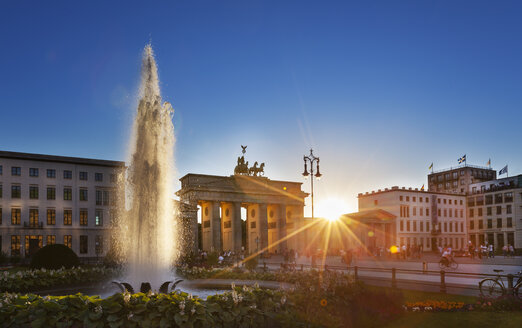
{"type": "Point", "coordinates": [274, 210]}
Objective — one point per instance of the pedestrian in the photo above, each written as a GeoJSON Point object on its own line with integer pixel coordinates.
{"type": "Point", "coordinates": [491, 252]}
{"type": "Point", "coordinates": [511, 250]}
{"type": "Point", "coordinates": [505, 251]}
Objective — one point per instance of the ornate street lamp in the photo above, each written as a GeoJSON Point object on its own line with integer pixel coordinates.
{"type": "Point", "coordinates": [311, 159]}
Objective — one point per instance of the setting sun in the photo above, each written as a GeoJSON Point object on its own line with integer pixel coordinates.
{"type": "Point", "coordinates": [332, 208]}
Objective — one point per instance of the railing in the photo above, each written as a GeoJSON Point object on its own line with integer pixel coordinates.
{"type": "Point", "coordinates": [393, 274]}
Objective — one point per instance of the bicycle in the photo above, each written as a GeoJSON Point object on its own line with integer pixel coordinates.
{"type": "Point", "coordinates": [494, 287]}
{"type": "Point", "coordinates": [446, 263]}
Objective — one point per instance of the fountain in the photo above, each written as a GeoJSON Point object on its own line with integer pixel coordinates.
{"type": "Point", "coordinates": [147, 235]}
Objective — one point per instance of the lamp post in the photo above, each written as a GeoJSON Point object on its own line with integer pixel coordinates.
{"type": "Point", "coordinates": [311, 159]}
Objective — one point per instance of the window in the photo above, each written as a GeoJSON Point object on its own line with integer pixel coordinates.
{"type": "Point", "coordinates": [489, 211]}
{"type": "Point", "coordinates": [83, 194]}
{"type": "Point", "coordinates": [461, 227]}
{"type": "Point", "coordinates": [471, 225]}
{"type": "Point", "coordinates": [499, 209]}
{"type": "Point", "coordinates": [33, 172]}
{"type": "Point", "coordinates": [439, 212]}
{"type": "Point", "coordinates": [420, 199]}
{"type": "Point", "coordinates": [450, 201]}
{"type": "Point", "coordinates": [83, 176]}
{"type": "Point", "coordinates": [51, 239]}
{"type": "Point", "coordinates": [1, 191]}
{"type": "Point", "coordinates": [445, 213]}
{"type": "Point", "coordinates": [67, 193]}
{"type": "Point", "coordinates": [15, 216]}
{"type": "Point", "coordinates": [421, 226]}
{"type": "Point", "coordinates": [83, 244]}
{"type": "Point", "coordinates": [408, 225]}
{"type": "Point", "coordinates": [67, 217]}
{"type": "Point", "coordinates": [489, 199]}
{"type": "Point", "coordinates": [508, 209]}
{"type": "Point", "coordinates": [427, 212]}
{"type": "Point", "coordinates": [99, 197]}
{"type": "Point", "coordinates": [414, 211]}
{"type": "Point", "coordinates": [375, 202]}
{"type": "Point", "coordinates": [1, 170]}
{"type": "Point", "coordinates": [98, 176]}
{"type": "Point", "coordinates": [51, 173]}
{"type": "Point", "coordinates": [427, 200]}
{"type": "Point", "coordinates": [16, 171]}
{"type": "Point", "coordinates": [480, 211]}
{"type": "Point", "coordinates": [33, 218]}
{"type": "Point", "coordinates": [414, 199]}
{"type": "Point", "coordinates": [471, 212]}
{"type": "Point", "coordinates": [15, 245]}
{"type": "Point", "coordinates": [509, 222]}
{"type": "Point", "coordinates": [438, 200]}
{"type": "Point", "coordinates": [98, 244]}
{"type": "Point", "coordinates": [16, 191]}
{"type": "Point", "coordinates": [33, 192]}
{"type": "Point", "coordinates": [51, 193]}
{"type": "Point", "coordinates": [499, 223]}
{"type": "Point", "coordinates": [508, 197]}
{"type": "Point", "coordinates": [490, 223]}
{"type": "Point", "coordinates": [98, 218]}
{"type": "Point", "coordinates": [67, 174]}
{"type": "Point", "coordinates": [83, 217]}
{"type": "Point", "coordinates": [414, 225]}
{"type": "Point", "coordinates": [401, 225]}
{"type": "Point", "coordinates": [400, 198]}
{"type": "Point", "coordinates": [445, 200]}
{"type": "Point", "coordinates": [67, 240]}
{"type": "Point", "coordinates": [451, 213]}
{"type": "Point", "coordinates": [498, 198]}
{"type": "Point", "coordinates": [481, 224]}
{"type": "Point", "coordinates": [407, 198]}
{"type": "Point", "coordinates": [51, 216]}
{"type": "Point", "coordinates": [445, 226]}
{"type": "Point", "coordinates": [0, 224]}
{"type": "Point", "coordinates": [421, 210]}
{"type": "Point", "coordinates": [427, 226]}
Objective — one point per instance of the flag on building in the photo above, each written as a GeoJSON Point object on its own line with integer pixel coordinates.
{"type": "Point", "coordinates": [489, 162]}
{"type": "Point", "coordinates": [422, 188]}
{"type": "Point", "coordinates": [504, 170]}
{"type": "Point", "coordinates": [462, 159]}
{"type": "Point", "coordinates": [431, 166]}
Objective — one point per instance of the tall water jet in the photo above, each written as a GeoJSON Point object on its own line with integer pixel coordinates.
{"type": "Point", "coordinates": [148, 233]}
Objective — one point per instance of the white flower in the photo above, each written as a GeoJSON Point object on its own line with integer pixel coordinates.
{"type": "Point", "coordinates": [193, 310]}
{"type": "Point", "coordinates": [253, 306]}
{"type": "Point", "coordinates": [416, 309]}
{"type": "Point", "coordinates": [182, 305]}
{"type": "Point", "coordinates": [126, 297]}
{"type": "Point", "coordinates": [47, 298]}
{"type": "Point", "coordinates": [98, 309]}
{"type": "Point", "coordinates": [428, 308]}
{"type": "Point", "coordinates": [130, 315]}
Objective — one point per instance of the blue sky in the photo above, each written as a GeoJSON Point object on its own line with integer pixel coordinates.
{"type": "Point", "coordinates": [379, 89]}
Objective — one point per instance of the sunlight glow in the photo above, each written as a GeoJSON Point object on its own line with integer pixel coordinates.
{"type": "Point", "coordinates": [332, 208]}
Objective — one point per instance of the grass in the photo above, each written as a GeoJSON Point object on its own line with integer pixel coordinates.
{"type": "Point", "coordinates": [417, 296]}
{"type": "Point", "coordinates": [458, 319]}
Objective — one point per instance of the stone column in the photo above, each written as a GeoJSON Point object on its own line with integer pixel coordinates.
{"type": "Point", "coordinates": [236, 226]}
{"type": "Point", "coordinates": [215, 225]}
{"type": "Point", "coordinates": [263, 227]}
{"type": "Point", "coordinates": [281, 226]}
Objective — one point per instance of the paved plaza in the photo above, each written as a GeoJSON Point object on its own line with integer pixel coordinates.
{"type": "Point", "coordinates": [457, 281]}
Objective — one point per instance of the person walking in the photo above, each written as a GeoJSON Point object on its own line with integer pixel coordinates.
{"type": "Point", "coordinates": [491, 252]}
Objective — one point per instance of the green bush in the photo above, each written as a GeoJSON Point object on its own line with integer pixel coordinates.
{"type": "Point", "coordinates": [3, 258]}
{"type": "Point", "coordinates": [54, 257]}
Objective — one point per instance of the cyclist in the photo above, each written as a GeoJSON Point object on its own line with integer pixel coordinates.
{"type": "Point", "coordinates": [446, 256]}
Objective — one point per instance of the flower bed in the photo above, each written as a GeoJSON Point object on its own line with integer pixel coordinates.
{"type": "Point", "coordinates": [31, 280]}
{"type": "Point", "coordinates": [242, 307]}
{"type": "Point", "coordinates": [503, 303]}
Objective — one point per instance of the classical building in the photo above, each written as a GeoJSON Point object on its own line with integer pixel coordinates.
{"type": "Point", "coordinates": [406, 216]}
{"type": "Point", "coordinates": [274, 212]}
{"type": "Point", "coordinates": [48, 199]}
{"type": "Point", "coordinates": [495, 212]}
{"type": "Point", "coordinates": [458, 179]}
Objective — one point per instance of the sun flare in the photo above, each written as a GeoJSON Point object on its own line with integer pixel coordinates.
{"type": "Point", "coordinates": [331, 209]}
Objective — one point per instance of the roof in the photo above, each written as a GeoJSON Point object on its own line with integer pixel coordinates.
{"type": "Point", "coordinates": [403, 189]}
{"type": "Point", "coordinates": [375, 214]}
{"type": "Point", "coordinates": [59, 159]}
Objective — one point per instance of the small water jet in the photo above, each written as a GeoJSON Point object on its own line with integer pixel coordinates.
{"type": "Point", "coordinates": [147, 238]}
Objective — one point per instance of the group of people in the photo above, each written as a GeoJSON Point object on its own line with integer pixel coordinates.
{"type": "Point", "coordinates": [488, 250]}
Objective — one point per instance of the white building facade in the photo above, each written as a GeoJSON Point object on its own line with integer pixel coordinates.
{"type": "Point", "coordinates": [495, 212]}
{"type": "Point", "coordinates": [427, 219]}
{"type": "Point", "coordinates": [48, 199]}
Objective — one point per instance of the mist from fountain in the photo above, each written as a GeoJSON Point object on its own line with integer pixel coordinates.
{"type": "Point", "coordinates": [147, 238]}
